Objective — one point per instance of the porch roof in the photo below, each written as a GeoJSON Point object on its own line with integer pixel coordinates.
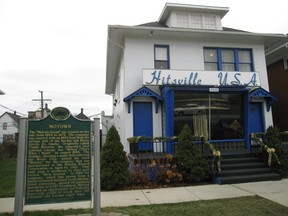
{"type": "Point", "coordinates": [143, 92]}
{"type": "Point", "coordinates": [260, 93]}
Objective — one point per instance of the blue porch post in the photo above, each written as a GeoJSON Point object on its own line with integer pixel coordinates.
{"type": "Point", "coordinates": [247, 130]}
{"type": "Point", "coordinates": [169, 116]}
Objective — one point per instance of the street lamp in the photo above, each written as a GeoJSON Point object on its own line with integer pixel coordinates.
{"type": "Point", "coordinates": [2, 93]}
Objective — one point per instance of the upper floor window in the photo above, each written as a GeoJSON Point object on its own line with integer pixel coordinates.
{"type": "Point", "coordinates": [161, 57]}
{"type": "Point", "coordinates": [225, 59]}
{"type": "Point", "coordinates": [4, 126]}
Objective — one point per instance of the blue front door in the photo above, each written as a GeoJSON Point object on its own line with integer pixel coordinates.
{"type": "Point", "coordinates": [143, 123]}
{"type": "Point", "coordinates": [256, 123]}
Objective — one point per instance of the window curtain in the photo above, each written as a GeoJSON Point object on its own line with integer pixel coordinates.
{"type": "Point", "coordinates": [200, 124]}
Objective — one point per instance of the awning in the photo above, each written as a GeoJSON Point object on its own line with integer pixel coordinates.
{"type": "Point", "coordinates": [259, 94]}
{"type": "Point", "coordinates": [143, 92]}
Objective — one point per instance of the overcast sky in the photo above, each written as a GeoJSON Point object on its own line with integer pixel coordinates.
{"type": "Point", "coordinates": [59, 46]}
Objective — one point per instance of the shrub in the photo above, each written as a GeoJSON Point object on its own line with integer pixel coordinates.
{"type": "Point", "coordinates": [272, 135]}
{"type": "Point", "coordinates": [113, 162]}
{"type": "Point", "coordinates": [191, 163]}
{"type": "Point", "coordinates": [168, 172]}
{"type": "Point", "coordinates": [8, 150]}
{"type": "Point", "coordinates": [138, 178]}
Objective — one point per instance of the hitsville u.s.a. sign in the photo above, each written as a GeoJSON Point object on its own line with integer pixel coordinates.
{"type": "Point", "coordinates": [200, 78]}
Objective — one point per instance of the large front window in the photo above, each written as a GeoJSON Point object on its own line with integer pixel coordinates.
{"type": "Point", "coordinates": [215, 116]}
{"type": "Point", "coordinates": [226, 59]}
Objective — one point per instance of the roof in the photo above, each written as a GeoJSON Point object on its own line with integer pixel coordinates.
{"type": "Point", "coordinates": [81, 115]}
{"type": "Point", "coordinates": [160, 25]}
{"type": "Point", "coordinates": [277, 51]}
{"type": "Point", "coordinates": [154, 24]}
{"type": "Point", "coordinates": [143, 92]}
{"type": "Point", "coordinates": [14, 116]}
{"type": "Point", "coordinates": [260, 93]}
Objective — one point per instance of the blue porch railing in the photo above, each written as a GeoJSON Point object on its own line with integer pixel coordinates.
{"type": "Point", "coordinates": [153, 146]}
{"type": "Point", "coordinates": [147, 145]}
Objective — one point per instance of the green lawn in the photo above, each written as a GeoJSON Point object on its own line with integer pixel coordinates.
{"type": "Point", "coordinates": [7, 177]}
{"type": "Point", "coordinates": [233, 207]}
{"type": "Point", "coordinates": [243, 206]}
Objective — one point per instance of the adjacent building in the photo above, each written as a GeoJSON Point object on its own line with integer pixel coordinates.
{"type": "Point", "coordinates": [186, 68]}
{"type": "Point", "coordinates": [38, 114]}
{"type": "Point", "coordinates": [9, 127]}
{"type": "Point", "coordinates": [277, 68]}
{"type": "Point", "coordinates": [82, 116]}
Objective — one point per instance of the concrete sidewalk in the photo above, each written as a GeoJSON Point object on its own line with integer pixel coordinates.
{"type": "Point", "coordinates": [276, 191]}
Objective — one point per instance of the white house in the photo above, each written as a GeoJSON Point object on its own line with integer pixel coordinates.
{"type": "Point", "coordinates": [187, 68]}
{"type": "Point", "coordinates": [9, 127]}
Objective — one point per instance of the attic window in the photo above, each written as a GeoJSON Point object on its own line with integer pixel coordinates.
{"type": "Point", "coordinates": [182, 20]}
{"type": "Point", "coordinates": [210, 22]}
{"type": "Point", "coordinates": [196, 21]}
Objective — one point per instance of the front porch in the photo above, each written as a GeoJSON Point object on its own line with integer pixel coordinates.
{"type": "Point", "coordinates": [239, 162]}
{"type": "Point", "coordinates": [142, 153]}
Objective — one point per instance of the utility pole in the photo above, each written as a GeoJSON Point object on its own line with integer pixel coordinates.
{"type": "Point", "coordinates": [42, 103]}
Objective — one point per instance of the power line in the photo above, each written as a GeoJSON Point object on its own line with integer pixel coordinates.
{"type": "Point", "coordinates": [12, 110]}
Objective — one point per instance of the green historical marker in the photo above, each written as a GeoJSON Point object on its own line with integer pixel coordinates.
{"type": "Point", "coordinates": [58, 159]}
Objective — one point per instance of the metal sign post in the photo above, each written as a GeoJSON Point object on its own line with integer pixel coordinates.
{"type": "Point", "coordinates": [18, 204]}
{"type": "Point", "coordinates": [97, 189]}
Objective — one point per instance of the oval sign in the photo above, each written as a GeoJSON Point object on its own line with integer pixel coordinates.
{"type": "Point", "coordinates": [60, 113]}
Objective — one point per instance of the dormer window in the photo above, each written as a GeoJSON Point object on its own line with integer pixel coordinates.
{"type": "Point", "coordinates": [183, 20]}
{"type": "Point", "coordinates": [210, 22]}
{"type": "Point", "coordinates": [192, 16]}
{"type": "Point", "coordinates": [196, 21]}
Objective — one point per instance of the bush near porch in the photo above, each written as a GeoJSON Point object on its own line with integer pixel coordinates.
{"type": "Point", "coordinates": [273, 138]}
{"type": "Point", "coordinates": [187, 166]}
{"type": "Point", "coordinates": [113, 162]}
{"type": "Point", "coordinates": [190, 160]}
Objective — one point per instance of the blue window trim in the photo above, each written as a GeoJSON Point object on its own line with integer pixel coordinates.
{"type": "Point", "coordinates": [236, 57]}
{"type": "Point", "coordinates": [168, 53]}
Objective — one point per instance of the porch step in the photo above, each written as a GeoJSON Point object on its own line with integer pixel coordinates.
{"type": "Point", "coordinates": [244, 168]}
{"type": "Point", "coordinates": [243, 172]}
{"type": "Point", "coordinates": [248, 178]}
